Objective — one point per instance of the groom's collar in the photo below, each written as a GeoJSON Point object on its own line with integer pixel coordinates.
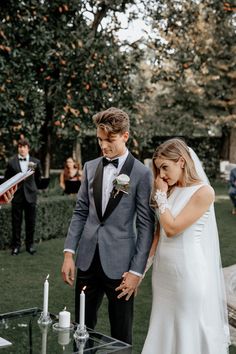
{"type": "Point", "coordinates": [121, 158]}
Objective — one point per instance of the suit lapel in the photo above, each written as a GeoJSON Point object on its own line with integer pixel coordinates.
{"type": "Point", "coordinates": [113, 202]}
{"type": "Point", "coordinates": [97, 189]}
{"type": "Point", "coordinates": [17, 164]}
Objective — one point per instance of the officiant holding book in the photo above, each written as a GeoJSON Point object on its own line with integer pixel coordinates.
{"type": "Point", "coordinates": [24, 200]}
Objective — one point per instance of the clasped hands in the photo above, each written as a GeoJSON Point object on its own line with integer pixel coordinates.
{"type": "Point", "coordinates": [129, 285]}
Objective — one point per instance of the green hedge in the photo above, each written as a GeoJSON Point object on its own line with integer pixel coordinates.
{"type": "Point", "coordinates": [53, 217]}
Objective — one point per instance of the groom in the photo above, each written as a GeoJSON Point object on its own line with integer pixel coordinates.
{"type": "Point", "coordinates": [111, 228]}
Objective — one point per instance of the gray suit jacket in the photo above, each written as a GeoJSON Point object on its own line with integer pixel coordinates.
{"type": "Point", "coordinates": [124, 232]}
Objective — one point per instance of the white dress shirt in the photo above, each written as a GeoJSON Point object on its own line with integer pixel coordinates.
{"type": "Point", "coordinates": [23, 164]}
{"type": "Point", "coordinates": [110, 172]}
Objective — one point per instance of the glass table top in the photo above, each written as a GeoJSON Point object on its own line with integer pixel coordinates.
{"type": "Point", "coordinates": [27, 337]}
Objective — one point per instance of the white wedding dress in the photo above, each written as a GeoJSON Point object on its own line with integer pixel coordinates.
{"type": "Point", "coordinates": [184, 320]}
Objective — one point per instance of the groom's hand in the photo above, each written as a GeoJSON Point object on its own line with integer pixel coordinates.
{"type": "Point", "coordinates": [68, 269]}
{"type": "Point", "coordinates": [128, 285]}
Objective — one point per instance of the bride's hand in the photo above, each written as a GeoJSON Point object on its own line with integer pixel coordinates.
{"type": "Point", "coordinates": [128, 285]}
{"type": "Point", "coordinates": [161, 184]}
{"type": "Point", "coordinates": [140, 281]}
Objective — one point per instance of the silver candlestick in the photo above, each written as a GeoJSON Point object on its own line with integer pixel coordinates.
{"type": "Point", "coordinates": [81, 334]}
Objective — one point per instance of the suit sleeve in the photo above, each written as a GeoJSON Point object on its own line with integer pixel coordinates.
{"type": "Point", "coordinates": [79, 216]}
{"type": "Point", "coordinates": [10, 172]}
{"type": "Point", "coordinates": [145, 223]}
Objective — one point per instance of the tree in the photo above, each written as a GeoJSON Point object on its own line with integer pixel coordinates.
{"type": "Point", "coordinates": [191, 55]}
{"type": "Point", "coordinates": [58, 68]}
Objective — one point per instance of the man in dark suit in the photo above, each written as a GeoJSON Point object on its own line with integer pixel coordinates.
{"type": "Point", "coordinates": [111, 229]}
{"type": "Point", "coordinates": [25, 197]}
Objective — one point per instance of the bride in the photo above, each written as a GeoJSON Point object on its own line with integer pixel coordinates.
{"type": "Point", "coordinates": [189, 313]}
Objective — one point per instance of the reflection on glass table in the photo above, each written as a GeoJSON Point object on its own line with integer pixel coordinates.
{"type": "Point", "coordinates": [27, 337]}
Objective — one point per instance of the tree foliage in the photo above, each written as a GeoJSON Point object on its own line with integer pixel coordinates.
{"type": "Point", "coordinates": [189, 73]}
{"type": "Point", "coordinates": [59, 65]}
{"type": "Point", "coordinates": [61, 61]}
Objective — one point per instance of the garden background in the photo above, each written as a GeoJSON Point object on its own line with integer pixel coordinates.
{"type": "Point", "coordinates": [64, 60]}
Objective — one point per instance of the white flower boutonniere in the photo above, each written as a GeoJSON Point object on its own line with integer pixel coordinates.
{"type": "Point", "coordinates": [121, 184]}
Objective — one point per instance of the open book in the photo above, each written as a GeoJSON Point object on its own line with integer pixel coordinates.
{"type": "Point", "coordinates": [11, 182]}
{"type": "Point", "coordinates": [4, 342]}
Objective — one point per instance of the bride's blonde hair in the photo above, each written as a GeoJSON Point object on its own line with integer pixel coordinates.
{"type": "Point", "coordinates": [174, 149]}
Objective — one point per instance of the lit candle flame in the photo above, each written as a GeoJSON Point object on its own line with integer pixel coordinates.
{"type": "Point", "coordinates": [47, 277]}
{"type": "Point", "coordinates": [64, 308]}
{"type": "Point", "coordinates": [84, 288]}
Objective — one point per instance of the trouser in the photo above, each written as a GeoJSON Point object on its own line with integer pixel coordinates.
{"type": "Point", "coordinates": [97, 284]}
{"type": "Point", "coordinates": [29, 210]}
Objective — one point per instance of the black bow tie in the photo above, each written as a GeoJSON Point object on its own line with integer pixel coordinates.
{"type": "Point", "coordinates": [114, 162]}
{"type": "Point", "coordinates": [22, 159]}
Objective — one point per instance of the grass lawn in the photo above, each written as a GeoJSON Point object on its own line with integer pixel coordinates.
{"type": "Point", "coordinates": [22, 277]}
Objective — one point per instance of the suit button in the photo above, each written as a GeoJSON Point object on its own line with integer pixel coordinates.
{"type": "Point", "coordinates": [102, 224]}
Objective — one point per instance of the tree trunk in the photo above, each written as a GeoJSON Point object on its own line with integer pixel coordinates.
{"type": "Point", "coordinates": [45, 151]}
{"type": "Point", "coordinates": [232, 146]}
{"type": "Point", "coordinates": [47, 161]}
{"type": "Point", "coordinates": [77, 152]}
{"type": "Point", "coordinates": [224, 154]}
{"type": "Point", "coordinates": [46, 133]}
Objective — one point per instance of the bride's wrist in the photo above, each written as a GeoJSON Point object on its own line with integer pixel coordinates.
{"type": "Point", "coordinates": [148, 265]}
{"type": "Point", "coordinates": [161, 199]}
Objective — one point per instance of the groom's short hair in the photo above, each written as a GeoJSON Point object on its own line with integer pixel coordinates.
{"type": "Point", "coordinates": [112, 120]}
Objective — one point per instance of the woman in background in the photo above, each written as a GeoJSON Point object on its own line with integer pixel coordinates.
{"type": "Point", "coordinates": [70, 177]}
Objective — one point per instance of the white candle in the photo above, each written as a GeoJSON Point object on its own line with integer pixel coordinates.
{"type": "Point", "coordinates": [45, 296]}
{"type": "Point", "coordinates": [64, 319]}
{"type": "Point", "coordinates": [82, 307]}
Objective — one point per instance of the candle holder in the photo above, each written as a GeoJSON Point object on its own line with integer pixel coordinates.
{"type": "Point", "coordinates": [63, 336]}
{"type": "Point", "coordinates": [56, 327]}
{"type": "Point", "coordinates": [44, 319]}
{"type": "Point", "coordinates": [44, 331]}
{"type": "Point", "coordinates": [81, 334]}
{"type": "Point", "coordinates": [80, 346]}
